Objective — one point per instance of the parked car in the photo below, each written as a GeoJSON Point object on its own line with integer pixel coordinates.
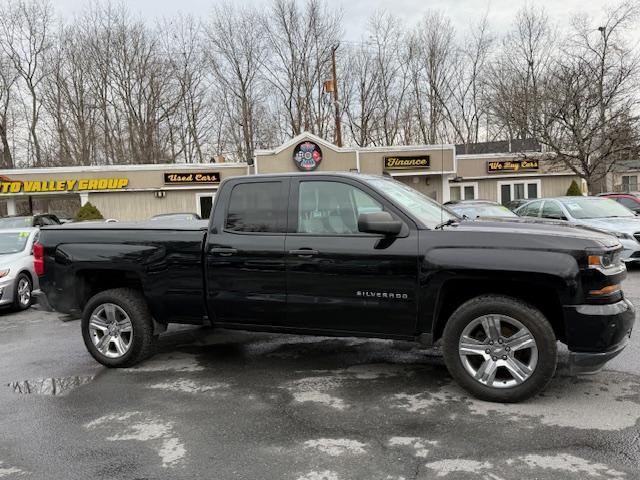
{"type": "Point", "coordinates": [17, 275]}
{"type": "Point", "coordinates": [293, 253]}
{"type": "Point", "coordinates": [21, 221]}
{"type": "Point", "coordinates": [479, 208]}
{"type": "Point", "coordinates": [176, 216]}
{"type": "Point", "coordinates": [630, 200]}
{"type": "Point", "coordinates": [597, 212]}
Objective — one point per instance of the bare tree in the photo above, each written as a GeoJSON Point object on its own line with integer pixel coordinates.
{"type": "Point", "coordinates": [431, 48]}
{"type": "Point", "coordinates": [463, 97]}
{"type": "Point", "coordinates": [237, 52]}
{"type": "Point", "coordinates": [392, 73]}
{"type": "Point", "coordinates": [25, 39]}
{"type": "Point", "coordinates": [590, 107]}
{"type": "Point", "coordinates": [300, 40]}
{"type": "Point", "coordinates": [516, 75]}
{"type": "Point", "coordinates": [184, 46]}
{"type": "Point", "coordinates": [8, 79]}
{"type": "Point", "coordinates": [359, 93]}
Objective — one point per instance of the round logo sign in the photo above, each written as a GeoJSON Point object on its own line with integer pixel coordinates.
{"type": "Point", "coordinates": [307, 156]}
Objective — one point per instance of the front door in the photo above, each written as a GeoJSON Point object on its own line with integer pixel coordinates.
{"type": "Point", "coordinates": [342, 280]}
{"type": "Point", "coordinates": [244, 254]}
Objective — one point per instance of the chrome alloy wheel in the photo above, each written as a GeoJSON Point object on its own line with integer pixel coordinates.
{"type": "Point", "coordinates": [24, 292]}
{"type": "Point", "coordinates": [498, 351]}
{"type": "Point", "coordinates": [110, 330]}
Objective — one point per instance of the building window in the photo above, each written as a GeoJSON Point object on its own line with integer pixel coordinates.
{"type": "Point", "coordinates": [629, 183]}
{"type": "Point", "coordinates": [518, 189]}
{"type": "Point", "coordinates": [204, 203]}
{"type": "Point", "coordinates": [463, 191]}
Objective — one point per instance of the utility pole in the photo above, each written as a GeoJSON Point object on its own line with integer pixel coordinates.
{"type": "Point", "coordinates": [603, 32]}
{"type": "Point", "coordinates": [335, 95]}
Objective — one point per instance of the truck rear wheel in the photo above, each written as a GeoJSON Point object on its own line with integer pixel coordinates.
{"type": "Point", "coordinates": [117, 327]}
{"type": "Point", "coordinates": [500, 349]}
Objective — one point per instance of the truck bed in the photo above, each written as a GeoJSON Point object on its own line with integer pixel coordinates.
{"type": "Point", "coordinates": [163, 259]}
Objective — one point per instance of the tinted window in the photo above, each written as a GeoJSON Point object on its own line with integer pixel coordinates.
{"type": "Point", "coordinates": [332, 208]}
{"type": "Point", "coordinates": [256, 207]}
{"type": "Point", "coordinates": [532, 190]}
{"type": "Point", "coordinates": [552, 210]}
{"type": "Point", "coordinates": [531, 210]}
{"type": "Point", "coordinates": [627, 202]}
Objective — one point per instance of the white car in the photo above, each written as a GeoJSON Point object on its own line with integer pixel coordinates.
{"type": "Point", "coordinates": [17, 276]}
{"type": "Point", "coordinates": [600, 213]}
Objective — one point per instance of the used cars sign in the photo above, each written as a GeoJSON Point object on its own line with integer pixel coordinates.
{"type": "Point", "coordinates": [192, 177]}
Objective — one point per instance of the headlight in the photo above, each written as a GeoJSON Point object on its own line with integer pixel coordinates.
{"type": "Point", "coordinates": [605, 261]}
{"type": "Point", "coordinates": [4, 272]}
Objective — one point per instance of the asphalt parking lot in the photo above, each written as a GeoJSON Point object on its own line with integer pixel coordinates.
{"type": "Point", "coordinates": [226, 405]}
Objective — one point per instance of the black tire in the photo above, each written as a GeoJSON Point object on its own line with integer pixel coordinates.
{"type": "Point", "coordinates": [17, 303]}
{"type": "Point", "coordinates": [143, 340]}
{"type": "Point", "coordinates": [528, 316]}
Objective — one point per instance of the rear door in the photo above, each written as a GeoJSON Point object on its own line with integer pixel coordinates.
{"type": "Point", "coordinates": [531, 209]}
{"type": "Point", "coordinates": [551, 209]}
{"type": "Point", "coordinates": [244, 253]}
{"type": "Point", "coordinates": [339, 279]}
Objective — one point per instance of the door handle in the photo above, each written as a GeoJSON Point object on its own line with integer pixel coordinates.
{"type": "Point", "coordinates": [223, 251]}
{"type": "Point", "coordinates": [304, 252]}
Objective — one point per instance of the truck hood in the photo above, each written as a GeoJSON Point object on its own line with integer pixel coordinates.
{"type": "Point", "coordinates": [533, 231]}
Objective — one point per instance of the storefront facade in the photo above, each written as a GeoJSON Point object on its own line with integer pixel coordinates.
{"type": "Point", "coordinates": [510, 176]}
{"type": "Point", "coordinates": [137, 192]}
{"type": "Point", "coordinates": [125, 192]}
{"type": "Point", "coordinates": [425, 168]}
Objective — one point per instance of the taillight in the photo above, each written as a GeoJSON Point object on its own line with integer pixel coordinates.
{"type": "Point", "coordinates": [38, 258]}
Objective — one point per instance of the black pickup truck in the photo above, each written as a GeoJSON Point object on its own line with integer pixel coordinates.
{"type": "Point", "coordinates": [349, 255]}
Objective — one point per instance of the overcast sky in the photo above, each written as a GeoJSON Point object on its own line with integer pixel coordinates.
{"type": "Point", "coordinates": [356, 12]}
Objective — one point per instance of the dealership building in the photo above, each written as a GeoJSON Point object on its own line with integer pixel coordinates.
{"type": "Point", "coordinates": [136, 192]}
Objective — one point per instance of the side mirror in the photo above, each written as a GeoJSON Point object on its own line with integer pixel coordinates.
{"type": "Point", "coordinates": [379, 222]}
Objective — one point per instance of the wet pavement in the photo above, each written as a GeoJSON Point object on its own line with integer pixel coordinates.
{"type": "Point", "coordinates": [230, 405]}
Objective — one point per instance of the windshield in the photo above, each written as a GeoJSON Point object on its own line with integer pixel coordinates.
{"type": "Point", "coordinates": [16, 222]}
{"type": "Point", "coordinates": [589, 207]}
{"type": "Point", "coordinates": [473, 211]}
{"type": "Point", "coordinates": [428, 211]}
{"type": "Point", "coordinates": [13, 242]}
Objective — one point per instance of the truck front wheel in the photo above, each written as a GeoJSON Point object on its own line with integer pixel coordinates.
{"type": "Point", "coordinates": [117, 327]}
{"type": "Point", "coordinates": [500, 349]}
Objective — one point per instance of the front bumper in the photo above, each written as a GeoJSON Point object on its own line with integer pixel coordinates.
{"type": "Point", "coordinates": [7, 290]}
{"type": "Point", "coordinates": [631, 250]}
{"type": "Point", "coordinates": [597, 333]}
{"type": "Point", "coordinates": [585, 363]}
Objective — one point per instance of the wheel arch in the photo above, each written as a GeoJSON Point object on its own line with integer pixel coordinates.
{"type": "Point", "coordinates": [542, 291]}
